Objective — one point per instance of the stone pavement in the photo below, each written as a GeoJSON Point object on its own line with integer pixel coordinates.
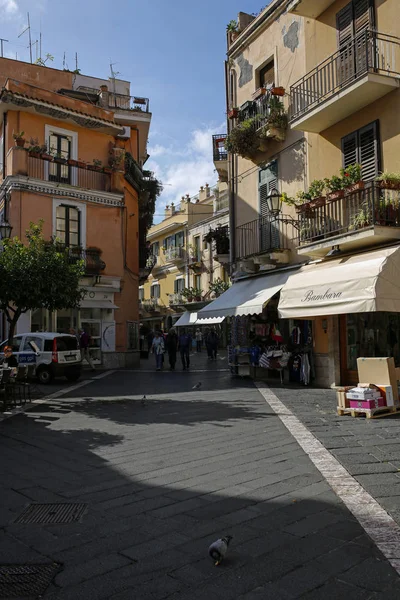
{"type": "Point", "coordinates": [164, 480]}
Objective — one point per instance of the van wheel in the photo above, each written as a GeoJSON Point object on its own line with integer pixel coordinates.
{"type": "Point", "coordinates": [44, 375]}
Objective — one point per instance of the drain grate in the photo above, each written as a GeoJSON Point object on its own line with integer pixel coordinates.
{"type": "Point", "coordinates": [52, 513]}
{"type": "Point", "coordinates": [18, 581]}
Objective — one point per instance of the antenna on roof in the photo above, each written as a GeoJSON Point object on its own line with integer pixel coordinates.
{"type": "Point", "coordinates": [64, 61]}
{"type": "Point", "coordinates": [1, 46]}
{"type": "Point", "coordinates": [76, 62]}
{"type": "Point", "coordinates": [28, 29]}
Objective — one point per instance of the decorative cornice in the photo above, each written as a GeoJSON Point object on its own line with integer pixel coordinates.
{"type": "Point", "coordinates": [19, 182]}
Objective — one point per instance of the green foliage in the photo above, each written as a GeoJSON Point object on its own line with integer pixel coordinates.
{"type": "Point", "coordinates": [316, 189]}
{"type": "Point", "coordinates": [303, 197]}
{"type": "Point", "coordinates": [219, 286]}
{"type": "Point", "coordinates": [361, 219]}
{"type": "Point", "coordinates": [387, 176]}
{"type": "Point", "coordinates": [334, 184]}
{"type": "Point", "coordinates": [42, 61]}
{"type": "Point", "coordinates": [19, 135]}
{"type": "Point", "coordinates": [289, 200]}
{"type": "Point", "coordinates": [351, 174]}
{"type": "Point", "coordinates": [242, 139]}
{"type": "Point", "coordinates": [34, 146]}
{"type": "Point", "coordinates": [37, 274]}
{"type": "Point", "coordinates": [277, 115]}
{"type": "Point", "coordinates": [232, 25]}
{"type": "Point", "coordinates": [219, 235]}
{"type": "Point", "coordinates": [191, 292]}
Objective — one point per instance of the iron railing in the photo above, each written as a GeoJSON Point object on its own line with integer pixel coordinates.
{"type": "Point", "coordinates": [263, 235]}
{"type": "Point", "coordinates": [367, 52]}
{"type": "Point", "coordinates": [68, 175]}
{"type": "Point", "coordinates": [175, 298]}
{"type": "Point", "coordinates": [94, 264]}
{"type": "Point", "coordinates": [175, 253]}
{"type": "Point", "coordinates": [219, 151]}
{"type": "Point", "coordinates": [260, 109]}
{"type": "Point", "coordinates": [124, 102]}
{"type": "Point", "coordinates": [133, 173]}
{"type": "Point", "coordinates": [361, 209]}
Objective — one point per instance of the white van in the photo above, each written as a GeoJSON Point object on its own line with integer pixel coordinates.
{"type": "Point", "coordinates": [58, 354]}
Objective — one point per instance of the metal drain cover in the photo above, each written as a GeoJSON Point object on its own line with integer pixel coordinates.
{"type": "Point", "coordinates": [52, 513]}
{"type": "Point", "coordinates": [18, 581]}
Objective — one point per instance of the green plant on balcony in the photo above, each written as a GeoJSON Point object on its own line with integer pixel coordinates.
{"type": "Point", "coordinates": [389, 181]}
{"type": "Point", "coordinates": [277, 121]}
{"type": "Point", "coordinates": [242, 139]}
{"type": "Point", "coordinates": [188, 294]}
{"type": "Point", "coordinates": [218, 287]}
{"type": "Point", "coordinates": [232, 26]}
{"type": "Point", "coordinates": [352, 177]}
{"type": "Point", "coordinates": [334, 187]}
{"type": "Point", "coordinates": [19, 139]}
{"type": "Point", "coordinates": [361, 219]}
{"type": "Point", "coordinates": [289, 200]}
{"type": "Point", "coordinates": [316, 191]}
{"type": "Point", "coordinates": [220, 236]}
{"type": "Point", "coordinates": [96, 166]}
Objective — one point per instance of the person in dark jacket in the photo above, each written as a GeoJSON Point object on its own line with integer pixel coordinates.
{"type": "Point", "coordinates": [172, 347]}
{"type": "Point", "coordinates": [213, 340]}
{"type": "Point", "coordinates": [184, 345]}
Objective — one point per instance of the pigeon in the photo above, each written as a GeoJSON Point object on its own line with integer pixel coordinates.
{"type": "Point", "coordinates": [197, 386]}
{"type": "Point", "coordinates": [143, 401]}
{"type": "Point", "coordinates": [219, 548]}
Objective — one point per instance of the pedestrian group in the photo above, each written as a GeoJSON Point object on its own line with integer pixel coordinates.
{"type": "Point", "coordinates": [172, 343]}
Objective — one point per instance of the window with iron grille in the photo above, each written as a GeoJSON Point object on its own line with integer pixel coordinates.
{"type": "Point", "coordinates": [68, 225]}
{"type": "Point", "coordinates": [363, 147]}
{"type": "Point", "coordinates": [133, 335]}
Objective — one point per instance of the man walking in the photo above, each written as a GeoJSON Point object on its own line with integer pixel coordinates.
{"type": "Point", "coordinates": [85, 343]}
{"type": "Point", "coordinates": [172, 346]}
{"type": "Point", "coordinates": [185, 343]}
{"type": "Point", "coordinates": [199, 340]}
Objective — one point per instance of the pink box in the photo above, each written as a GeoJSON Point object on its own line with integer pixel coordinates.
{"type": "Point", "coordinates": [375, 403]}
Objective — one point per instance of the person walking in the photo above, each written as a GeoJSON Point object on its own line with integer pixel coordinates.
{"type": "Point", "coordinates": [213, 339]}
{"type": "Point", "coordinates": [184, 345]}
{"type": "Point", "coordinates": [172, 347]}
{"type": "Point", "coordinates": [199, 340]}
{"type": "Point", "coordinates": [84, 341]}
{"type": "Point", "coordinates": [207, 341]}
{"type": "Point", "coordinates": [158, 348]}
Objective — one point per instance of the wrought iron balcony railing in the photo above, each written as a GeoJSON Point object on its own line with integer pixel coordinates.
{"type": "Point", "coordinates": [368, 52]}
{"type": "Point", "coordinates": [68, 175]}
{"type": "Point", "coordinates": [132, 103]}
{"type": "Point", "coordinates": [362, 209]}
{"type": "Point", "coordinates": [175, 299]}
{"type": "Point", "coordinates": [94, 264]}
{"type": "Point", "coordinates": [219, 151]}
{"type": "Point", "coordinates": [263, 235]}
{"type": "Point", "coordinates": [175, 253]}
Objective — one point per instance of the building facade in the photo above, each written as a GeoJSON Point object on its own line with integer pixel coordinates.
{"type": "Point", "coordinates": [314, 224]}
{"type": "Point", "coordinates": [79, 169]}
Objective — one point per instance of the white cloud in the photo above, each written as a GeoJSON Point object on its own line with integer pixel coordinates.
{"type": "Point", "coordinates": [10, 7]}
{"type": "Point", "coordinates": [157, 150]}
{"type": "Point", "coordinates": [201, 141]}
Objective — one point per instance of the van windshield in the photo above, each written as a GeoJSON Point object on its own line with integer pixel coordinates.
{"type": "Point", "coordinates": [64, 343]}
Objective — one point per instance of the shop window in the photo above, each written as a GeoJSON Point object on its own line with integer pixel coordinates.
{"type": "Point", "coordinates": [179, 285]}
{"type": "Point", "coordinates": [155, 290]}
{"type": "Point", "coordinates": [363, 146]}
{"type": "Point", "coordinates": [267, 75]}
{"type": "Point", "coordinates": [60, 146]}
{"type": "Point", "coordinates": [68, 225]}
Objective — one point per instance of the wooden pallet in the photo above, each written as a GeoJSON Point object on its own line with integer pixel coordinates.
{"type": "Point", "coordinates": [370, 413]}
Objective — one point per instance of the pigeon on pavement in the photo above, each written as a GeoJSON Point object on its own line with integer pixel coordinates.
{"type": "Point", "coordinates": [197, 386]}
{"type": "Point", "coordinates": [143, 401]}
{"type": "Point", "coordinates": [219, 548]}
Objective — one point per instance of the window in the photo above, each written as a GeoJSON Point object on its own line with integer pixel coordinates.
{"type": "Point", "coordinates": [60, 147]}
{"type": "Point", "coordinates": [197, 246]}
{"type": "Point", "coordinates": [267, 75]}
{"type": "Point", "coordinates": [267, 182]}
{"type": "Point", "coordinates": [174, 241]}
{"type": "Point", "coordinates": [353, 19]}
{"type": "Point", "coordinates": [68, 225]}
{"type": "Point", "coordinates": [363, 146]}
{"type": "Point", "coordinates": [32, 338]}
{"type": "Point", "coordinates": [141, 293]}
{"type": "Point", "coordinates": [197, 282]}
{"type": "Point", "coordinates": [179, 239]}
{"type": "Point", "coordinates": [155, 249]}
{"type": "Point", "coordinates": [133, 335]}
{"type": "Point", "coordinates": [155, 290]}
{"type": "Point", "coordinates": [179, 285]}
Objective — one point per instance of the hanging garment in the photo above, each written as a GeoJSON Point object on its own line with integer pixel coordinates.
{"type": "Point", "coordinates": [296, 336]}
{"type": "Point", "coordinates": [305, 370]}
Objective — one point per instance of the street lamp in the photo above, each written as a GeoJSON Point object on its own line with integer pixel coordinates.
{"type": "Point", "coordinates": [5, 230]}
{"type": "Point", "coordinates": [274, 203]}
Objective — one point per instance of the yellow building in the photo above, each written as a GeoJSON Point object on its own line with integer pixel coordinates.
{"type": "Point", "coordinates": [334, 67]}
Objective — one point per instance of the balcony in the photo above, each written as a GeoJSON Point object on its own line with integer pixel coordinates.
{"type": "Point", "coordinates": [364, 218]}
{"type": "Point", "coordinates": [309, 8]}
{"type": "Point", "coordinates": [176, 299]}
{"type": "Point", "coordinates": [361, 72]}
{"type": "Point", "coordinates": [222, 201]}
{"type": "Point", "coordinates": [133, 173]}
{"type": "Point", "coordinates": [134, 112]}
{"type": "Point", "coordinates": [151, 305]}
{"type": "Point", "coordinates": [94, 265]}
{"type": "Point", "coordinates": [263, 236]}
{"type": "Point", "coordinates": [220, 156]}
{"type": "Point", "coordinates": [175, 255]}
{"type": "Point", "coordinates": [131, 103]}
{"type": "Point", "coordinates": [62, 172]}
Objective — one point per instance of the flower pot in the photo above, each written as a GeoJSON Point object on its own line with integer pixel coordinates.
{"type": "Point", "coordinates": [46, 156]}
{"type": "Point", "coordinates": [107, 170]}
{"type": "Point", "coordinates": [233, 113]}
{"type": "Point", "coordinates": [332, 196]}
{"type": "Point", "coordinates": [354, 187]}
{"type": "Point", "coordinates": [190, 299]}
{"type": "Point", "coordinates": [197, 298]}
{"type": "Point", "coordinates": [317, 202]}
{"type": "Point", "coordinates": [278, 91]}
{"type": "Point", "coordinates": [303, 208]}
{"type": "Point", "coordinates": [258, 93]}
{"type": "Point", "coordinates": [60, 161]}
{"type": "Point", "coordinates": [34, 154]}
{"type": "Point", "coordinates": [389, 185]}
{"type": "Point", "coordinates": [20, 142]}
{"type": "Point", "coordinates": [72, 162]}
{"type": "Point", "coordinates": [81, 164]}
{"type": "Point", "coordinates": [95, 168]}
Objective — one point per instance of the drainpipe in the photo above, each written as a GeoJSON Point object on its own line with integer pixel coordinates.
{"type": "Point", "coordinates": [4, 145]}
{"type": "Point", "coordinates": [231, 185]}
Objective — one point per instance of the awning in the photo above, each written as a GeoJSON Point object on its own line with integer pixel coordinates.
{"type": "Point", "coordinates": [97, 304]}
{"type": "Point", "coordinates": [368, 282]}
{"type": "Point", "coordinates": [192, 318]}
{"type": "Point", "coordinates": [246, 297]}
{"type": "Point", "coordinates": [209, 320]}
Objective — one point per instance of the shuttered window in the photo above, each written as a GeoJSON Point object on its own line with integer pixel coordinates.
{"type": "Point", "coordinates": [363, 146]}
{"type": "Point", "coordinates": [268, 182]}
{"type": "Point", "coordinates": [353, 18]}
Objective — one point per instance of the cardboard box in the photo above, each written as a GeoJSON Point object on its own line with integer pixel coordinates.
{"type": "Point", "coordinates": [363, 394]}
{"type": "Point", "coordinates": [367, 385]}
{"type": "Point", "coordinates": [387, 394]}
{"type": "Point", "coordinates": [369, 404]}
{"type": "Point", "coordinates": [342, 401]}
{"type": "Point", "coordinates": [380, 370]}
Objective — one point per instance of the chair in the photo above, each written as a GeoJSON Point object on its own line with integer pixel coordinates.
{"type": "Point", "coordinates": [21, 383]}
{"type": "Point", "coordinates": [7, 386]}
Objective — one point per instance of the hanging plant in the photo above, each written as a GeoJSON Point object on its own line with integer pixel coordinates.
{"type": "Point", "coordinates": [219, 235]}
{"type": "Point", "coordinates": [242, 139]}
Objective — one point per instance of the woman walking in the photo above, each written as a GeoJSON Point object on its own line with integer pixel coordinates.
{"type": "Point", "coordinates": [158, 348]}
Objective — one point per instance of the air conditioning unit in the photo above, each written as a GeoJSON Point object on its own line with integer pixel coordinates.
{"type": "Point", "coordinates": [126, 134]}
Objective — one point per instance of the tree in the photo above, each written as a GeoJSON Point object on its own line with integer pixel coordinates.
{"type": "Point", "coordinates": [38, 274]}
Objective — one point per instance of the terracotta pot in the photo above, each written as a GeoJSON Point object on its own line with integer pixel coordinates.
{"type": "Point", "coordinates": [81, 164]}
{"type": "Point", "coordinates": [317, 202]}
{"type": "Point", "coordinates": [303, 207]}
{"type": "Point", "coordinates": [95, 168]}
{"type": "Point", "coordinates": [233, 113]}
{"type": "Point", "coordinates": [20, 142]}
{"type": "Point", "coordinates": [354, 187]}
{"type": "Point", "coordinates": [258, 93]}
{"type": "Point", "coordinates": [60, 161]}
{"type": "Point", "coordinates": [335, 195]}
{"type": "Point", "coordinates": [72, 162]}
{"type": "Point", "coordinates": [34, 154]}
{"type": "Point", "coordinates": [278, 91]}
{"type": "Point", "coordinates": [107, 170]}
{"type": "Point", "coordinates": [46, 156]}
{"type": "Point", "coordinates": [197, 298]}
{"type": "Point", "coordinates": [389, 185]}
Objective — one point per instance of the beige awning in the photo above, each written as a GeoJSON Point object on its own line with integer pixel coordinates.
{"type": "Point", "coordinates": [368, 282]}
{"type": "Point", "coordinates": [246, 297]}
{"type": "Point", "coordinates": [97, 304]}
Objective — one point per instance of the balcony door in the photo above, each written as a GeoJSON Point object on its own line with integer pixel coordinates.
{"type": "Point", "coordinates": [268, 230]}
{"type": "Point", "coordinates": [60, 147]}
{"type": "Point", "coordinates": [353, 24]}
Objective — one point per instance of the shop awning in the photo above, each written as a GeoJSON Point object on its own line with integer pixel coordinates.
{"type": "Point", "coordinates": [97, 304]}
{"type": "Point", "coordinates": [188, 318]}
{"type": "Point", "coordinates": [368, 282]}
{"type": "Point", "coordinates": [209, 320]}
{"type": "Point", "coordinates": [246, 297]}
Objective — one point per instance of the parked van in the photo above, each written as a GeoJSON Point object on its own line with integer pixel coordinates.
{"type": "Point", "coordinates": [57, 355]}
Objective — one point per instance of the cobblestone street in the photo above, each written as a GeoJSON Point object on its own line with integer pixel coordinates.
{"type": "Point", "coordinates": [161, 481]}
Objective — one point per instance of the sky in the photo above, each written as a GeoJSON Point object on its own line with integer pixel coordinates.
{"type": "Point", "coordinates": [170, 53]}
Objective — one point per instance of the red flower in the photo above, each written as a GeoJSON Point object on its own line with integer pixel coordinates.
{"type": "Point", "coordinates": [347, 174]}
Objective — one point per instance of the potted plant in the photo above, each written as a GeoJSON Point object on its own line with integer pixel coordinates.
{"type": "Point", "coordinates": [303, 202]}
{"type": "Point", "coordinates": [334, 185]}
{"type": "Point", "coordinates": [352, 177]}
{"type": "Point", "coordinates": [107, 170]}
{"type": "Point", "coordinates": [361, 219]}
{"type": "Point", "coordinates": [81, 164]}
{"type": "Point", "coordinates": [277, 121]}
{"type": "Point", "coordinates": [188, 294]}
{"type": "Point", "coordinates": [261, 91]}
{"type": "Point", "coordinates": [233, 113]}
{"type": "Point", "coordinates": [218, 287]}
{"type": "Point", "coordinates": [58, 158]}
{"type": "Point", "coordinates": [316, 190]}
{"type": "Point", "coordinates": [389, 181]}
{"type": "Point", "coordinates": [243, 140]}
{"type": "Point", "coordinates": [220, 236]}
{"type": "Point", "coordinates": [197, 294]}
{"type": "Point", "coordinates": [34, 148]}
{"type": "Point", "coordinates": [278, 91]}
{"type": "Point", "coordinates": [19, 139]}
{"type": "Point", "coordinates": [44, 155]}
{"type": "Point", "coordinates": [232, 30]}
{"type": "Point", "coordinates": [96, 166]}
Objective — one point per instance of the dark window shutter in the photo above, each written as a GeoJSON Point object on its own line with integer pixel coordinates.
{"type": "Point", "coordinates": [369, 150]}
{"type": "Point", "coordinates": [345, 25]}
{"type": "Point", "coordinates": [363, 14]}
{"type": "Point", "coordinates": [268, 182]}
{"type": "Point", "coordinates": [350, 149]}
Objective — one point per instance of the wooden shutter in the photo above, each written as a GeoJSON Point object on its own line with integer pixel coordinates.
{"type": "Point", "coordinates": [345, 25]}
{"type": "Point", "coordinates": [369, 150]}
{"type": "Point", "coordinates": [268, 182]}
{"type": "Point", "coordinates": [350, 149]}
{"type": "Point", "coordinates": [363, 15]}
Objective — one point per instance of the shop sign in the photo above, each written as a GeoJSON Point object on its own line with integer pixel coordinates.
{"type": "Point", "coordinates": [327, 295]}
{"type": "Point", "coordinates": [90, 295]}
